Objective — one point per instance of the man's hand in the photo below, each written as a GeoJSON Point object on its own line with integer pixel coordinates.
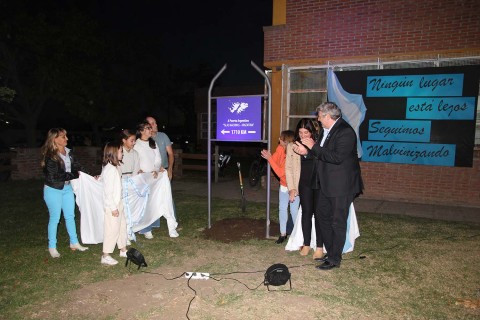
{"type": "Point", "coordinates": [170, 173]}
{"type": "Point", "coordinates": [300, 149]}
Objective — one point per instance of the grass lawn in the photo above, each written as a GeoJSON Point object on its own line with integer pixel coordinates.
{"type": "Point", "coordinates": [413, 268]}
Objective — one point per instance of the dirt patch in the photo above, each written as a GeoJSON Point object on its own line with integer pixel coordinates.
{"type": "Point", "coordinates": [238, 229]}
{"type": "Point", "coordinates": [235, 290]}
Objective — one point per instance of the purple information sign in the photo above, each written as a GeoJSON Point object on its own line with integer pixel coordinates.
{"type": "Point", "coordinates": [239, 118]}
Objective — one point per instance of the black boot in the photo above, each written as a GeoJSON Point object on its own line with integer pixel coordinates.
{"type": "Point", "coordinates": [281, 239]}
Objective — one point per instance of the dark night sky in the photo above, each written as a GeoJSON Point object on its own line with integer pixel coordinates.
{"type": "Point", "coordinates": [212, 32]}
{"type": "Point", "coordinates": [182, 34]}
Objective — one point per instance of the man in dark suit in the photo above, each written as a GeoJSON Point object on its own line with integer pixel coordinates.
{"type": "Point", "coordinates": [338, 177]}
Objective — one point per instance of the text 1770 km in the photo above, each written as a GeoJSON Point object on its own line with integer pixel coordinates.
{"type": "Point", "coordinates": [239, 131]}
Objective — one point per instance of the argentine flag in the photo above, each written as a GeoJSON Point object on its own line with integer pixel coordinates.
{"type": "Point", "coordinates": [352, 105]}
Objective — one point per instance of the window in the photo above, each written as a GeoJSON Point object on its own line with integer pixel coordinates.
{"type": "Point", "coordinates": [307, 89]}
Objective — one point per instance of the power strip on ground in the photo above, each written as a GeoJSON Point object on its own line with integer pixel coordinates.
{"type": "Point", "coordinates": [197, 275]}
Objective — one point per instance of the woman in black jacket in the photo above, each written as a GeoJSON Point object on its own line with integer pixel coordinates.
{"type": "Point", "coordinates": [59, 168]}
{"type": "Point", "coordinates": [308, 128]}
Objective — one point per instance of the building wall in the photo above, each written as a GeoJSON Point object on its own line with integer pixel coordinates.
{"type": "Point", "coordinates": [423, 184]}
{"type": "Point", "coordinates": [341, 28]}
{"type": "Point", "coordinates": [316, 32]}
{"type": "Point", "coordinates": [279, 15]}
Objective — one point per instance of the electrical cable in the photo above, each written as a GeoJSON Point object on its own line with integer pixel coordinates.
{"type": "Point", "coordinates": [234, 272]}
{"type": "Point", "coordinates": [361, 255]}
{"type": "Point", "coordinates": [194, 296]}
{"type": "Point", "coordinates": [160, 274]}
{"type": "Point", "coordinates": [218, 280]}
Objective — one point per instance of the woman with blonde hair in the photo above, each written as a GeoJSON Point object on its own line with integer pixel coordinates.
{"type": "Point", "coordinates": [59, 168]}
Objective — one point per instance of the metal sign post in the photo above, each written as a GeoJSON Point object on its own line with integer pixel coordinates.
{"type": "Point", "coordinates": [239, 124]}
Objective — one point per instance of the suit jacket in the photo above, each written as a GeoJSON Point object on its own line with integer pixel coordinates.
{"type": "Point", "coordinates": [338, 168]}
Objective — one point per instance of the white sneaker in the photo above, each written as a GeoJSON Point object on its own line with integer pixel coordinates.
{"type": "Point", "coordinates": [123, 254]}
{"type": "Point", "coordinates": [78, 247]}
{"type": "Point", "coordinates": [173, 234]}
{"type": "Point", "coordinates": [148, 235]}
{"type": "Point", "coordinates": [108, 260]}
{"type": "Point", "coordinates": [54, 253]}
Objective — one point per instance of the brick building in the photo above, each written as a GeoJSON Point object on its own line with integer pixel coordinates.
{"type": "Point", "coordinates": [309, 36]}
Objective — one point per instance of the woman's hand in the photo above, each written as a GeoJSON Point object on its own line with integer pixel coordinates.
{"type": "Point", "coordinates": [140, 171]}
{"type": "Point", "coordinates": [291, 195]}
{"type": "Point", "coordinates": [308, 142]}
{"type": "Point", "coordinates": [265, 154]}
{"type": "Point", "coordinates": [115, 213]}
{"type": "Point", "coordinates": [155, 174]}
{"type": "Point", "coordinates": [161, 169]}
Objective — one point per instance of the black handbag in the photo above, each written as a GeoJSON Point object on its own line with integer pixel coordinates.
{"type": "Point", "coordinates": [277, 275]}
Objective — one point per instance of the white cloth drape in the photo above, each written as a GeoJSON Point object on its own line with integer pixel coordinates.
{"type": "Point", "coordinates": [295, 241]}
{"type": "Point", "coordinates": [146, 199]}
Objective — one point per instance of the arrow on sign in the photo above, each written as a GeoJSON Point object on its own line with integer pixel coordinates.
{"type": "Point", "coordinates": [224, 131]}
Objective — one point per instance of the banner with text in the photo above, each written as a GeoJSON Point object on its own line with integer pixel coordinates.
{"type": "Point", "coordinates": [239, 118]}
{"type": "Point", "coordinates": [417, 116]}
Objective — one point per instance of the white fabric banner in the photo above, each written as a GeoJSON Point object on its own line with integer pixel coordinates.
{"type": "Point", "coordinates": [295, 241]}
{"type": "Point", "coordinates": [145, 198]}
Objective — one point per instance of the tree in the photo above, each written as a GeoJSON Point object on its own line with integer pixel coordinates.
{"type": "Point", "coordinates": [7, 94]}
{"type": "Point", "coordinates": [48, 53]}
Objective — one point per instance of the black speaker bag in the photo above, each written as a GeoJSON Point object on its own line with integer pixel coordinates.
{"type": "Point", "coordinates": [277, 275]}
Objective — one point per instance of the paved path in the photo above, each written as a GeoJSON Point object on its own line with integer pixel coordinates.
{"type": "Point", "coordinates": [229, 188]}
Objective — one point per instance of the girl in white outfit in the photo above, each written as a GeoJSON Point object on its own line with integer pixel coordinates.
{"type": "Point", "coordinates": [151, 161]}
{"type": "Point", "coordinates": [115, 225]}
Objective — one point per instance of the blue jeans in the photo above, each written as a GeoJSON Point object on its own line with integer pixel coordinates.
{"type": "Point", "coordinates": [155, 224]}
{"type": "Point", "coordinates": [283, 205]}
{"type": "Point", "coordinates": [58, 201]}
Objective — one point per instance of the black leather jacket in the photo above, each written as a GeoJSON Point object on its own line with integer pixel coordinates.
{"type": "Point", "coordinates": [55, 175]}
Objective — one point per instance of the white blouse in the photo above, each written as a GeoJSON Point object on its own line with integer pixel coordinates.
{"type": "Point", "coordinates": [150, 159]}
{"type": "Point", "coordinates": [130, 162]}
